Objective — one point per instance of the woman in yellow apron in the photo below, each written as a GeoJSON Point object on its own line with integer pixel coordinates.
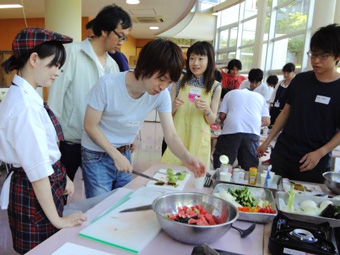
{"type": "Point", "coordinates": [195, 101]}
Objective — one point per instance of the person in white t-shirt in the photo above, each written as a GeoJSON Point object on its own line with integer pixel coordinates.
{"type": "Point", "coordinates": [243, 113]}
{"type": "Point", "coordinates": [117, 107]}
{"type": "Point", "coordinates": [255, 78]}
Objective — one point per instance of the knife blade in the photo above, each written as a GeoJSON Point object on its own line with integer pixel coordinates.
{"type": "Point", "coordinates": [139, 208]}
{"type": "Point", "coordinates": [144, 175]}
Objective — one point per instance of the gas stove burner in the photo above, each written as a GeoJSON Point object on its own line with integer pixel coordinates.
{"type": "Point", "coordinates": [303, 235]}
{"type": "Point", "coordinates": [289, 236]}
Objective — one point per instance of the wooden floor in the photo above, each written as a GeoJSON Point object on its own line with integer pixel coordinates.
{"type": "Point", "coordinates": [147, 152]}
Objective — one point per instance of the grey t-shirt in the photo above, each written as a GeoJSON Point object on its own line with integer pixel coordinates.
{"type": "Point", "coordinates": [122, 115]}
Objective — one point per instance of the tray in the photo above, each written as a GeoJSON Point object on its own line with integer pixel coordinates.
{"type": "Point", "coordinates": [303, 217]}
{"type": "Point", "coordinates": [276, 185]}
{"type": "Point", "coordinates": [309, 189]}
{"type": "Point", "coordinates": [257, 193]}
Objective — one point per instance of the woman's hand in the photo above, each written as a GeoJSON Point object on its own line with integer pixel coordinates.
{"type": "Point", "coordinates": [177, 103]}
{"type": "Point", "coordinates": [71, 220]}
{"type": "Point", "coordinates": [202, 105]}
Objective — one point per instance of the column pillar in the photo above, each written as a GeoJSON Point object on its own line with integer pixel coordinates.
{"type": "Point", "coordinates": [324, 14]}
{"type": "Point", "coordinates": [337, 10]}
{"type": "Point", "coordinates": [63, 16]}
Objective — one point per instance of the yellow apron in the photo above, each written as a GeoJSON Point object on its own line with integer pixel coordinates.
{"type": "Point", "coordinates": [192, 128]}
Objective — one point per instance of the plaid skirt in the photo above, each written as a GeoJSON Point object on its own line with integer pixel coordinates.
{"type": "Point", "coordinates": [28, 222]}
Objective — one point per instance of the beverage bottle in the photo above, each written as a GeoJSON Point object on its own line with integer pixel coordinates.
{"type": "Point", "coordinates": [252, 175]}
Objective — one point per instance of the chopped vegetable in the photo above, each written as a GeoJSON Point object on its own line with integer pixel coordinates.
{"type": "Point", "coordinates": [291, 194]}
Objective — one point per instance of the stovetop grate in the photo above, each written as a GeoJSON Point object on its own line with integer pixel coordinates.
{"type": "Point", "coordinates": [291, 237]}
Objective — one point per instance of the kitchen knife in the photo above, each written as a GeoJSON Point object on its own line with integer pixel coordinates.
{"type": "Point", "coordinates": [144, 175]}
{"type": "Point", "coordinates": [139, 208]}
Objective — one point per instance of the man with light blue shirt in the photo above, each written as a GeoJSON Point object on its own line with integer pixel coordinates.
{"type": "Point", "coordinates": [86, 62]}
{"type": "Point", "coordinates": [117, 107]}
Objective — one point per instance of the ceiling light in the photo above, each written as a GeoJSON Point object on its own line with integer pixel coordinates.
{"type": "Point", "coordinates": [154, 28]}
{"type": "Point", "coordinates": [9, 6]}
{"type": "Point", "coordinates": [132, 1]}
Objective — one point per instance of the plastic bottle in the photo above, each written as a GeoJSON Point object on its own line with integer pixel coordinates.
{"type": "Point", "coordinates": [252, 175]}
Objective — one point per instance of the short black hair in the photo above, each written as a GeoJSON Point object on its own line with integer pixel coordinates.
{"type": "Point", "coordinates": [327, 40]}
{"type": "Point", "coordinates": [109, 18]}
{"type": "Point", "coordinates": [234, 63]}
{"type": "Point", "coordinates": [89, 25]}
{"type": "Point", "coordinates": [255, 75]}
{"type": "Point", "coordinates": [289, 67]}
{"type": "Point", "coordinates": [160, 56]}
{"type": "Point", "coordinates": [272, 79]}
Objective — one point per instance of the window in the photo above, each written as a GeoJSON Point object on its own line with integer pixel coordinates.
{"type": "Point", "coordinates": [284, 31]}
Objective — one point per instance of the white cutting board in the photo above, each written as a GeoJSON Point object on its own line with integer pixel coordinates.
{"type": "Point", "coordinates": [162, 175]}
{"type": "Point", "coordinates": [131, 231]}
{"type": "Point", "coordinates": [75, 249]}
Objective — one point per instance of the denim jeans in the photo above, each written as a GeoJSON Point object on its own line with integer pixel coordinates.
{"type": "Point", "coordinates": [241, 146]}
{"type": "Point", "coordinates": [100, 174]}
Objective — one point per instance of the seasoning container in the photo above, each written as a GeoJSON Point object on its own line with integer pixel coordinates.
{"type": "Point", "coordinates": [252, 175]}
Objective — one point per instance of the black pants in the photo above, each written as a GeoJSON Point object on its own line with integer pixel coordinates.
{"type": "Point", "coordinates": [289, 169]}
{"type": "Point", "coordinates": [70, 157]}
{"type": "Point", "coordinates": [240, 146]}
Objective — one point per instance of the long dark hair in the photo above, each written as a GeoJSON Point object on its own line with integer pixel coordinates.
{"type": "Point", "coordinates": [43, 50]}
{"type": "Point", "coordinates": [203, 49]}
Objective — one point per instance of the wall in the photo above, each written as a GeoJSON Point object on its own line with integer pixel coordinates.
{"type": "Point", "coordinates": [10, 27]}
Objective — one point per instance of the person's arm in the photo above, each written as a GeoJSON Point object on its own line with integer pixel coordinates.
{"type": "Point", "coordinates": [176, 101]}
{"type": "Point", "coordinates": [69, 189]}
{"type": "Point", "coordinates": [210, 112]}
{"type": "Point", "coordinates": [42, 190]}
{"type": "Point", "coordinates": [311, 159]}
{"type": "Point", "coordinates": [265, 121]}
{"type": "Point", "coordinates": [278, 126]}
{"type": "Point", "coordinates": [176, 145]}
{"type": "Point", "coordinates": [91, 121]}
{"type": "Point", "coordinates": [223, 116]}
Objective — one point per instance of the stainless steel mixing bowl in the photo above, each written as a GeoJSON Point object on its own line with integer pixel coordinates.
{"type": "Point", "coordinates": [225, 214]}
{"type": "Point", "coordinates": [332, 181]}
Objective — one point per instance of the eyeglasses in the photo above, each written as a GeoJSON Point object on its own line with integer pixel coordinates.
{"type": "Point", "coordinates": [322, 56]}
{"type": "Point", "coordinates": [122, 38]}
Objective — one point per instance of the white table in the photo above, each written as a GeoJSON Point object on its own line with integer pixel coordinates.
{"type": "Point", "coordinates": [255, 244]}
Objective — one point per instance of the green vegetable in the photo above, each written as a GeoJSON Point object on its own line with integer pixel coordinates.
{"type": "Point", "coordinates": [169, 171]}
{"type": "Point", "coordinates": [181, 176]}
{"type": "Point", "coordinates": [291, 194]}
{"type": "Point", "coordinates": [243, 196]}
{"type": "Point", "coordinates": [196, 210]}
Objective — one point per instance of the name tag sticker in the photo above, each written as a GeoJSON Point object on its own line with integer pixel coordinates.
{"type": "Point", "coordinates": [133, 123]}
{"type": "Point", "coordinates": [322, 99]}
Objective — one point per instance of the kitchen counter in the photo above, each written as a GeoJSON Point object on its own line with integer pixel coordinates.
{"type": "Point", "coordinates": [255, 244]}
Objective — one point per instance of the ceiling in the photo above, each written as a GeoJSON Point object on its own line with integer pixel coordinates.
{"type": "Point", "coordinates": [162, 13]}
